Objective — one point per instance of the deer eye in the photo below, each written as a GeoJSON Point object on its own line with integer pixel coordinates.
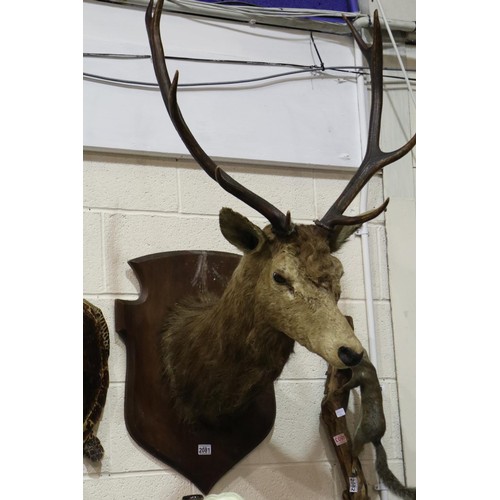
{"type": "Point", "coordinates": [281, 280]}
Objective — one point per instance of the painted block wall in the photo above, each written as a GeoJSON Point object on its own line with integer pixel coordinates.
{"type": "Point", "coordinates": [135, 206]}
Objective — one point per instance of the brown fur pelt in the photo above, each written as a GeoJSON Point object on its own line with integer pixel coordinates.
{"type": "Point", "coordinates": [95, 376]}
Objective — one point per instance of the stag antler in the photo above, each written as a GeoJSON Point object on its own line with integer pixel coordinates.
{"type": "Point", "coordinates": [375, 159]}
{"type": "Point", "coordinates": [280, 222]}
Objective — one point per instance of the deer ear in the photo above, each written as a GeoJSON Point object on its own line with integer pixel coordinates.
{"type": "Point", "coordinates": [340, 235]}
{"type": "Point", "coordinates": [240, 232]}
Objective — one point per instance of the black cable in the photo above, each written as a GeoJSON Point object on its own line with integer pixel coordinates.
{"type": "Point", "coordinates": [193, 59]}
{"type": "Point", "coordinates": [223, 61]}
{"type": "Point", "coordinates": [317, 51]}
{"type": "Point", "coordinates": [102, 55]}
{"type": "Point", "coordinates": [356, 70]}
{"type": "Point", "coordinates": [121, 81]}
{"type": "Point", "coordinates": [204, 84]}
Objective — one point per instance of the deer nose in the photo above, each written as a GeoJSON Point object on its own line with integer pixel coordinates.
{"type": "Point", "coordinates": [349, 357]}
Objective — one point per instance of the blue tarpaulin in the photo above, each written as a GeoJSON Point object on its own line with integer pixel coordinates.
{"type": "Point", "coordinates": [338, 5]}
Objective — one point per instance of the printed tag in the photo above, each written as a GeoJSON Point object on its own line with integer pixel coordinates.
{"type": "Point", "coordinates": [353, 484]}
{"type": "Point", "coordinates": [204, 449]}
{"type": "Point", "coordinates": [340, 439]}
{"type": "Point", "coordinates": [340, 412]}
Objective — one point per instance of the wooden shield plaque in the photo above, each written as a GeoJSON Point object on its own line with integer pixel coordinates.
{"type": "Point", "coordinates": [202, 454]}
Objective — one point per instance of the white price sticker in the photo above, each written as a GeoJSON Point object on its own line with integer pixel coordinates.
{"type": "Point", "coordinates": [204, 449]}
{"type": "Point", "coordinates": [353, 484]}
{"type": "Point", "coordinates": [340, 412]}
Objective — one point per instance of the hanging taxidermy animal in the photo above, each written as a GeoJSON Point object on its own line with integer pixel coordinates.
{"type": "Point", "coordinates": [371, 427]}
{"type": "Point", "coordinates": [218, 353]}
{"type": "Point", "coordinates": [95, 377]}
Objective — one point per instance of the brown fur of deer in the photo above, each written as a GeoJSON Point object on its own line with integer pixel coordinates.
{"type": "Point", "coordinates": [219, 354]}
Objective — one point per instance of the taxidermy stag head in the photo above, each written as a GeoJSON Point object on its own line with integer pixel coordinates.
{"type": "Point", "coordinates": [218, 353]}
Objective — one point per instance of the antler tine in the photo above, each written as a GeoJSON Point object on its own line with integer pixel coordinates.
{"type": "Point", "coordinates": [375, 159]}
{"type": "Point", "coordinates": [280, 222]}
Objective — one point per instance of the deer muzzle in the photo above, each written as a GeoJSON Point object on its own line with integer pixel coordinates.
{"type": "Point", "coordinates": [349, 357]}
{"type": "Point", "coordinates": [338, 347]}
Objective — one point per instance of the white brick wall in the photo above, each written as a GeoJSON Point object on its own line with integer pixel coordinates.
{"type": "Point", "coordinates": [135, 206]}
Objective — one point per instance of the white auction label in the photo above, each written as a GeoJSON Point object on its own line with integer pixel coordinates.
{"type": "Point", "coordinates": [204, 449]}
{"type": "Point", "coordinates": [353, 484]}
{"type": "Point", "coordinates": [340, 412]}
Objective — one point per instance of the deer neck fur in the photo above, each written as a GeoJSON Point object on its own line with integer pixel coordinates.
{"type": "Point", "coordinates": [239, 321]}
{"type": "Point", "coordinates": [236, 353]}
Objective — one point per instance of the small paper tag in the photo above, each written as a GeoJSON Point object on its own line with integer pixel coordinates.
{"type": "Point", "coordinates": [340, 439]}
{"type": "Point", "coordinates": [353, 484]}
{"type": "Point", "coordinates": [204, 449]}
{"type": "Point", "coordinates": [340, 412]}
